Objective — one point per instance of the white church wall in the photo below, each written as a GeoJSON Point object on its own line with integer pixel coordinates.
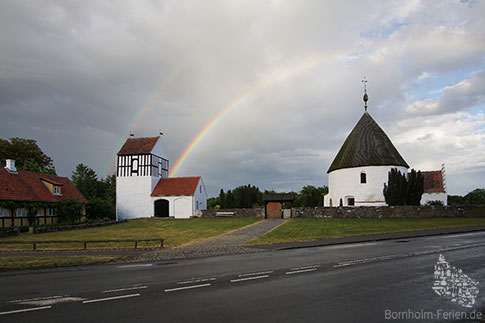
{"type": "Point", "coordinates": [428, 197]}
{"type": "Point", "coordinates": [183, 207]}
{"type": "Point", "coordinates": [200, 197]}
{"type": "Point", "coordinates": [159, 149]}
{"type": "Point", "coordinates": [133, 197]}
{"type": "Point", "coordinates": [346, 183]}
{"type": "Point", "coordinates": [179, 207]}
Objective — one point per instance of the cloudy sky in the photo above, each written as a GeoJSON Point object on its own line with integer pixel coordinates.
{"type": "Point", "coordinates": [77, 76]}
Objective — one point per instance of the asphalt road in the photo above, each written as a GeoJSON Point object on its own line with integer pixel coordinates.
{"type": "Point", "coordinates": [365, 282]}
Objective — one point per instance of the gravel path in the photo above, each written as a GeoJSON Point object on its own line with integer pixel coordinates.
{"type": "Point", "coordinates": [225, 244]}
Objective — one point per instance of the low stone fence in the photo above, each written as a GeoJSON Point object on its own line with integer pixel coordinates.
{"type": "Point", "coordinates": [247, 213]}
{"type": "Point", "coordinates": [75, 226]}
{"type": "Point", "coordinates": [372, 212]}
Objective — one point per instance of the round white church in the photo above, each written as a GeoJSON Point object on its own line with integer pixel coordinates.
{"type": "Point", "coordinates": [357, 175]}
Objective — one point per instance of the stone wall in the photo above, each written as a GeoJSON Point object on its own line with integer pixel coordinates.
{"type": "Point", "coordinates": [74, 226]}
{"type": "Point", "coordinates": [247, 213]}
{"type": "Point", "coordinates": [391, 212]}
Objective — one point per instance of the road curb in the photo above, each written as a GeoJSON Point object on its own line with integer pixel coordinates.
{"type": "Point", "coordinates": [367, 238]}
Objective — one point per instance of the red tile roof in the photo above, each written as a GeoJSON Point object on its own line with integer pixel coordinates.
{"type": "Point", "coordinates": [138, 146]}
{"type": "Point", "coordinates": [433, 182]}
{"type": "Point", "coordinates": [176, 186]}
{"type": "Point", "coordinates": [28, 186]}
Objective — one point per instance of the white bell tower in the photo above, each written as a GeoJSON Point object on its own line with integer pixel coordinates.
{"type": "Point", "coordinates": [141, 162]}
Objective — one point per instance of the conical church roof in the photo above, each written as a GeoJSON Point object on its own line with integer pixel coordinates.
{"type": "Point", "coordinates": [367, 145]}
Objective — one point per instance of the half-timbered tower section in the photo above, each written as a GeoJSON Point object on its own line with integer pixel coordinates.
{"type": "Point", "coordinates": [141, 162]}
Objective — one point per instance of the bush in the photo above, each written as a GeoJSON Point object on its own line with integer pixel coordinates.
{"type": "Point", "coordinates": [70, 211]}
{"type": "Point", "coordinates": [100, 209]}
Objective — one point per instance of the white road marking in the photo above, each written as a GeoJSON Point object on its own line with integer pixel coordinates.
{"type": "Point", "coordinates": [109, 298]}
{"type": "Point", "coordinates": [301, 271]}
{"type": "Point", "coordinates": [352, 245]}
{"type": "Point", "coordinates": [305, 267]}
{"type": "Point", "coordinates": [137, 265]}
{"type": "Point", "coordinates": [196, 281]}
{"type": "Point", "coordinates": [35, 299]}
{"type": "Point", "coordinates": [26, 310]}
{"type": "Point", "coordinates": [123, 289]}
{"type": "Point", "coordinates": [404, 255]}
{"type": "Point", "coordinates": [255, 274]}
{"type": "Point", "coordinates": [186, 287]}
{"type": "Point", "coordinates": [248, 278]}
{"type": "Point", "coordinates": [49, 300]}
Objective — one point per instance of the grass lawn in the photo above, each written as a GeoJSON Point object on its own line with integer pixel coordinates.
{"type": "Point", "coordinates": [24, 262]}
{"type": "Point", "coordinates": [299, 229]}
{"type": "Point", "coordinates": [173, 231]}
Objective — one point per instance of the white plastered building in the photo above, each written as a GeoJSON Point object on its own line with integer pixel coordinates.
{"type": "Point", "coordinates": [143, 189]}
{"type": "Point", "coordinates": [357, 175]}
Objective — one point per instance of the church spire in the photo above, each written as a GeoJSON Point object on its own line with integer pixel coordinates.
{"type": "Point", "coordinates": [366, 98]}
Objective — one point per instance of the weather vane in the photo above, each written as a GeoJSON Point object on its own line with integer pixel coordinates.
{"type": "Point", "coordinates": [366, 98]}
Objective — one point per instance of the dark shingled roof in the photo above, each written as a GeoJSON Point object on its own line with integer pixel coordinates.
{"type": "Point", "coordinates": [134, 146]}
{"type": "Point", "coordinates": [367, 145]}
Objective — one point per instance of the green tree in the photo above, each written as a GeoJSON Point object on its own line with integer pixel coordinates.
{"type": "Point", "coordinates": [456, 200]}
{"type": "Point", "coordinates": [213, 203]}
{"type": "Point", "coordinates": [475, 197]}
{"type": "Point", "coordinates": [27, 155]}
{"type": "Point", "coordinates": [311, 196]}
{"type": "Point", "coordinates": [86, 181]}
{"type": "Point", "coordinates": [222, 199]}
{"type": "Point", "coordinates": [402, 191]}
{"type": "Point", "coordinates": [69, 211]}
{"type": "Point", "coordinates": [415, 188]}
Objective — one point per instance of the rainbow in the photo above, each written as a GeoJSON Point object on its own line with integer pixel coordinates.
{"type": "Point", "coordinates": [146, 108]}
{"type": "Point", "coordinates": [277, 75]}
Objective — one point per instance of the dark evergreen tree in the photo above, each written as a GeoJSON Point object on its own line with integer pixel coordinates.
{"type": "Point", "coordinates": [415, 188]}
{"type": "Point", "coordinates": [395, 189]}
{"type": "Point", "coordinates": [402, 191]}
{"type": "Point", "coordinates": [222, 199]}
{"type": "Point", "coordinates": [86, 181]}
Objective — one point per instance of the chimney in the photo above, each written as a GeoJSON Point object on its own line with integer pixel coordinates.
{"type": "Point", "coordinates": [10, 166]}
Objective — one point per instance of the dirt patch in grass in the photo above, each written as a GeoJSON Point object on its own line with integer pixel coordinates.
{"type": "Point", "coordinates": [301, 229]}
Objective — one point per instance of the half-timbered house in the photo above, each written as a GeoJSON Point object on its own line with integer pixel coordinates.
{"type": "Point", "coordinates": [28, 198]}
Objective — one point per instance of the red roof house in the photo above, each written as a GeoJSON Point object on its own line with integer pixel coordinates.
{"type": "Point", "coordinates": [22, 192]}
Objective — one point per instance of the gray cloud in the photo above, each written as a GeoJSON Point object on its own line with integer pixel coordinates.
{"type": "Point", "coordinates": [76, 76]}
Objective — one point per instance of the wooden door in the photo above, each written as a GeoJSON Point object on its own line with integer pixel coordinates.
{"type": "Point", "coordinates": [273, 210]}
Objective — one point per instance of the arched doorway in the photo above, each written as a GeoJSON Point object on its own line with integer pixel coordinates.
{"type": "Point", "coordinates": [161, 209]}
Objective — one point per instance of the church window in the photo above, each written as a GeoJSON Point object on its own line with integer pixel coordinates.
{"type": "Point", "coordinates": [350, 201]}
{"type": "Point", "coordinates": [363, 178]}
{"type": "Point", "coordinates": [134, 166]}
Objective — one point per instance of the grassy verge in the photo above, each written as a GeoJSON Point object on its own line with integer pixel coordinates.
{"type": "Point", "coordinates": [309, 229]}
{"type": "Point", "coordinates": [28, 262]}
{"type": "Point", "coordinates": [174, 232]}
